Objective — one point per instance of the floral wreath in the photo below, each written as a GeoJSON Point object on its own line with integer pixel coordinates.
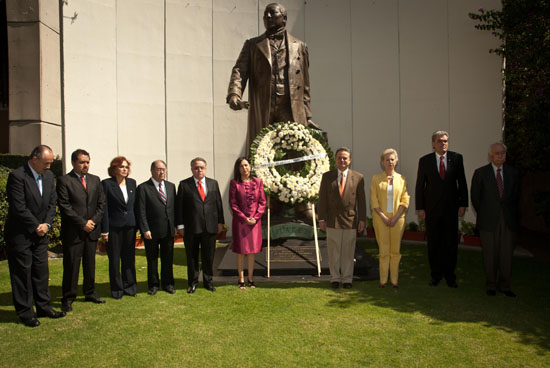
{"type": "Point", "coordinates": [277, 150]}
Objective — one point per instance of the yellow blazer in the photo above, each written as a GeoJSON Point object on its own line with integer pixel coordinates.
{"type": "Point", "coordinates": [379, 192]}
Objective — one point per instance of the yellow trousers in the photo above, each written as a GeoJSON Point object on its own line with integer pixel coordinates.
{"type": "Point", "coordinates": [389, 245]}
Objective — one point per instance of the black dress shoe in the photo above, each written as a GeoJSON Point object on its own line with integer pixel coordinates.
{"type": "Point", "coordinates": [33, 322]}
{"type": "Point", "coordinates": [434, 282]}
{"type": "Point", "coordinates": [191, 289]}
{"type": "Point", "coordinates": [210, 288]}
{"type": "Point", "coordinates": [347, 285]}
{"type": "Point", "coordinates": [508, 293]}
{"type": "Point", "coordinates": [94, 299]}
{"type": "Point", "coordinates": [153, 290]}
{"type": "Point", "coordinates": [452, 285]}
{"type": "Point", "coordinates": [51, 314]}
{"type": "Point", "coordinates": [67, 306]}
{"type": "Point", "coordinates": [170, 289]}
{"type": "Point", "coordinates": [335, 285]}
{"type": "Point", "coordinates": [491, 292]}
{"type": "Point", "coordinates": [130, 294]}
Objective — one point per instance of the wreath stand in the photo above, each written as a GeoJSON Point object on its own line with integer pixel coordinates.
{"type": "Point", "coordinates": [269, 239]}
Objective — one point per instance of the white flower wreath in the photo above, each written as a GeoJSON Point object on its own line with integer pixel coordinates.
{"type": "Point", "coordinates": [269, 153]}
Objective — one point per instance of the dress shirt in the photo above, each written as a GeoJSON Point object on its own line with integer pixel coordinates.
{"type": "Point", "coordinates": [37, 179]}
{"type": "Point", "coordinates": [203, 183]}
{"type": "Point", "coordinates": [162, 185]}
{"type": "Point", "coordinates": [124, 190]}
{"type": "Point", "coordinates": [389, 204]}
{"type": "Point", "coordinates": [501, 172]}
{"type": "Point", "coordinates": [438, 159]}
{"type": "Point", "coordinates": [345, 173]}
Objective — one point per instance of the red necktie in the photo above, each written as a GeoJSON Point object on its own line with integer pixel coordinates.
{"type": "Point", "coordinates": [201, 190]}
{"type": "Point", "coordinates": [499, 183]}
{"type": "Point", "coordinates": [442, 167]}
{"type": "Point", "coordinates": [83, 181]}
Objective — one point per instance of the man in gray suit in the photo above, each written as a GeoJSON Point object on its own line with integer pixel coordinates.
{"type": "Point", "coordinates": [156, 198]}
{"type": "Point", "coordinates": [495, 192]}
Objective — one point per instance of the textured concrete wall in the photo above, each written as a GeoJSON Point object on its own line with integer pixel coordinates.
{"type": "Point", "coordinates": [34, 75]}
{"type": "Point", "coordinates": [148, 78]}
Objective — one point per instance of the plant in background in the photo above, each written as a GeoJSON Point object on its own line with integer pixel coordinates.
{"type": "Point", "coordinates": [467, 228]}
{"type": "Point", "coordinates": [523, 27]}
{"type": "Point", "coordinates": [411, 226]}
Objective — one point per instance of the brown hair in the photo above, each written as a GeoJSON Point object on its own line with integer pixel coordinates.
{"type": "Point", "coordinates": [115, 163]}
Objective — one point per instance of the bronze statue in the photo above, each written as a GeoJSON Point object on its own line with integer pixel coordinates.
{"type": "Point", "coordinates": [276, 66]}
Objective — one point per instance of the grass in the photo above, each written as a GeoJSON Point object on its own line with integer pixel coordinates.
{"type": "Point", "coordinates": [294, 324]}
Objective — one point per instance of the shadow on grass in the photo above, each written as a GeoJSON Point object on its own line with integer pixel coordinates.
{"type": "Point", "coordinates": [526, 315]}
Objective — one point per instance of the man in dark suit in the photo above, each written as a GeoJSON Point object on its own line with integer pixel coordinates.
{"type": "Point", "coordinates": [342, 214]}
{"type": "Point", "coordinates": [276, 67]}
{"type": "Point", "coordinates": [156, 206]}
{"type": "Point", "coordinates": [495, 192]}
{"type": "Point", "coordinates": [31, 198]}
{"type": "Point", "coordinates": [441, 198]}
{"type": "Point", "coordinates": [81, 201]}
{"type": "Point", "coordinates": [199, 212]}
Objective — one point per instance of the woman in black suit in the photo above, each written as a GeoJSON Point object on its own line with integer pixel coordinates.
{"type": "Point", "coordinates": [119, 228]}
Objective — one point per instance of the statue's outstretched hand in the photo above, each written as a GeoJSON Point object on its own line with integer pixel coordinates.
{"type": "Point", "coordinates": [235, 103]}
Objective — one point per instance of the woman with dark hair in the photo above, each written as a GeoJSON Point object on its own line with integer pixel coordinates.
{"type": "Point", "coordinates": [247, 201]}
{"type": "Point", "coordinates": [119, 227]}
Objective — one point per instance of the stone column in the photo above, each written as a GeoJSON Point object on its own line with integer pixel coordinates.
{"type": "Point", "coordinates": [34, 75]}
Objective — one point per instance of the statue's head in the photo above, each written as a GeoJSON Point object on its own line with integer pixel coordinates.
{"type": "Point", "coordinates": [274, 17]}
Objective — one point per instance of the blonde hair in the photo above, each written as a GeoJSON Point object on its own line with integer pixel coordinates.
{"type": "Point", "coordinates": [388, 151]}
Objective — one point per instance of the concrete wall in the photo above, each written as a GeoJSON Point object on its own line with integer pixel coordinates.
{"type": "Point", "coordinates": [147, 79]}
{"type": "Point", "coordinates": [34, 75]}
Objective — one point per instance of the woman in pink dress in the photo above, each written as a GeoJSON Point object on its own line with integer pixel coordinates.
{"type": "Point", "coordinates": [247, 200]}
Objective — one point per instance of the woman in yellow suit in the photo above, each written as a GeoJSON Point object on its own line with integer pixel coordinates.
{"type": "Point", "coordinates": [389, 201]}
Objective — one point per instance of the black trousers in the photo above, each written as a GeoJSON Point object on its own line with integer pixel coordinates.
{"type": "Point", "coordinates": [29, 273]}
{"type": "Point", "coordinates": [73, 252]}
{"type": "Point", "coordinates": [207, 245]}
{"type": "Point", "coordinates": [122, 261]}
{"type": "Point", "coordinates": [498, 251]}
{"type": "Point", "coordinates": [442, 234]}
{"type": "Point", "coordinates": [166, 246]}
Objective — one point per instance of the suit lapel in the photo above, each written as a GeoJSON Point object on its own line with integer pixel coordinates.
{"type": "Point", "coordinates": [492, 181]}
{"type": "Point", "coordinates": [33, 185]}
{"type": "Point", "coordinates": [263, 46]}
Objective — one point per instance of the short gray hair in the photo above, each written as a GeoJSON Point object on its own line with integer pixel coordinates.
{"type": "Point", "coordinates": [498, 144]}
{"type": "Point", "coordinates": [198, 159]}
{"type": "Point", "coordinates": [438, 133]}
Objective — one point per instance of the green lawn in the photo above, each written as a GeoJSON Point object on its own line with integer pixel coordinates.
{"type": "Point", "coordinates": [294, 324]}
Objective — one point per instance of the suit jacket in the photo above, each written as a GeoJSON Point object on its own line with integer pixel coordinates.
{"type": "Point", "coordinates": [78, 205]}
{"type": "Point", "coordinates": [486, 199]}
{"type": "Point", "coordinates": [254, 66]}
{"type": "Point", "coordinates": [435, 195]}
{"type": "Point", "coordinates": [153, 214]}
{"type": "Point", "coordinates": [27, 208]}
{"type": "Point", "coordinates": [379, 192]}
{"type": "Point", "coordinates": [117, 212]}
{"type": "Point", "coordinates": [342, 212]}
{"type": "Point", "coordinates": [198, 216]}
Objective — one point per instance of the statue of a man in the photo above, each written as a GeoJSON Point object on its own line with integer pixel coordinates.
{"type": "Point", "coordinates": [275, 65]}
